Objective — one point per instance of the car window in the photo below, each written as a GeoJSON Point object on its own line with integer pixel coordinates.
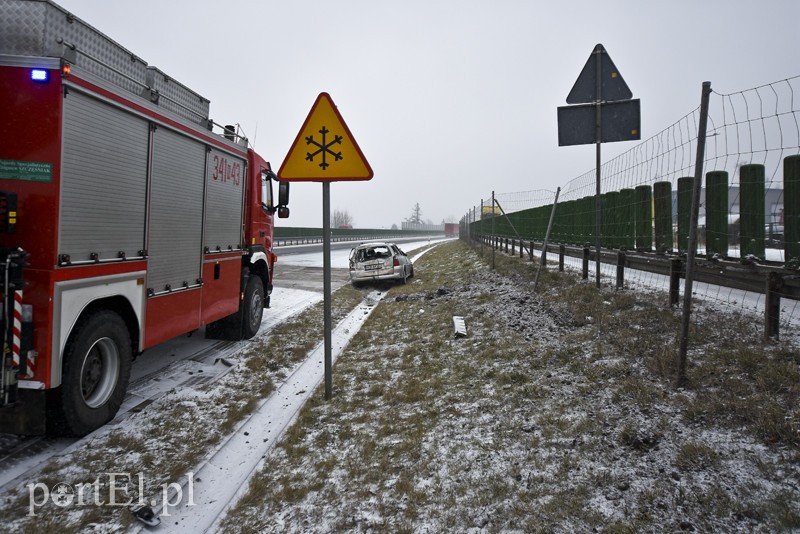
{"type": "Point", "coordinates": [373, 253]}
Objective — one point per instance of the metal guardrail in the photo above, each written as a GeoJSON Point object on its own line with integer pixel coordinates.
{"type": "Point", "coordinates": [307, 240]}
{"type": "Point", "coordinates": [768, 278]}
{"type": "Point", "coordinates": [305, 236]}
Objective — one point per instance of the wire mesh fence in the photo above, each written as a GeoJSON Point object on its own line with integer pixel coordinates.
{"type": "Point", "coordinates": [749, 217]}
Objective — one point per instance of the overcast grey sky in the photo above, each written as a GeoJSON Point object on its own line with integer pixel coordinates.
{"type": "Point", "coordinates": [448, 99]}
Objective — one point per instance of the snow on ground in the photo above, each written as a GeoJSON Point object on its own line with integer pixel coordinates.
{"type": "Point", "coordinates": [193, 497]}
{"type": "Point", "coordinates": [219, 479]}
{"type": "Point", "coordinates": [526, 424]}
{"type": "Point", "coordinates": [536, 421]}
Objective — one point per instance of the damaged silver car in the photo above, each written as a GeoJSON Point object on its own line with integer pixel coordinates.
{"type": "Point", "coordinates": [379, 261]}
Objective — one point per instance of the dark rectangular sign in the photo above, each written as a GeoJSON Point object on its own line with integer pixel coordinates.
{"type": "Point", "coordinates": [620, 121]}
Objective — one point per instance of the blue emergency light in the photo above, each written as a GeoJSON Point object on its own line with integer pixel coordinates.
{"type": "Point", "coordinates": [39, 75]}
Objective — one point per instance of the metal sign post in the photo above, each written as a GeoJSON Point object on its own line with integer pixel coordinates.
{"type": "Point", "coordinates": [325, 151]}
{"type": "Point", "coordinates": [606, 113]}
{"type": "Point", "coordinates": [598, 202]}
{"type": "Point", "coordinates": [326, 285]}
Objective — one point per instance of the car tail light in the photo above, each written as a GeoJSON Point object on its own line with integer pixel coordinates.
{"type": "Point", "coordinates": [396, 262]}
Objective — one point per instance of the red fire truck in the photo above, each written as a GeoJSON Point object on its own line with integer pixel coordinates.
{"type": "Point", "coordinates": [125, 220]}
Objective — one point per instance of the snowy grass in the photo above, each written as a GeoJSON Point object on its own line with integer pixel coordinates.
{"type": "Point", "coordinates": [170, 437]}
{"type": "Point", "coordinates": [555, 413]}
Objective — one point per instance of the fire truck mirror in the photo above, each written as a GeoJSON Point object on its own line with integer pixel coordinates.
{"type": "Point", "coordinates": [283, 195]}
{"type": "Point", "coordinates": [283, 212]}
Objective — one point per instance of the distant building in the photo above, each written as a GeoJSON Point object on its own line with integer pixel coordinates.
{"type": "Point", "coordinates": [422, 227]}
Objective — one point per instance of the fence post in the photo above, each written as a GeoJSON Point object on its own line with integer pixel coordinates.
{"type": "Point", "coordinates": [791, 207]}
{"type": "Point", "coordinates": [751, 220]}
{"type": "Point", "coordinates": [681, 379]}
{"type": "Point", "coordinates": [620, 270]}
{"type": "Point", "coordinates": [662, 205]}
{"type": "Point", "coordinates": [561, 253]}
{"type": "Point", "coordinates": [717, 213]}
{"type": "Point", "coordinates": [493, 248]}
{"type": "Point", "coordinates": [772, 306]}
{"type": "Point", "coordinates": [543, 259]}
{"type": "Point", "coordinates": [482, 230]}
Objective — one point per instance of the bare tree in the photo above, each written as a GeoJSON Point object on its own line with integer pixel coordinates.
{"type": "Point", "coordinates": [341, 218]}
{"type": "Point", "coordinates": [416, 214]}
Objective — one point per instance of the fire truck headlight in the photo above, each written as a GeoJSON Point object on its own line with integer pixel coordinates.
{"type": "Point", "coordinates": [39, 75]}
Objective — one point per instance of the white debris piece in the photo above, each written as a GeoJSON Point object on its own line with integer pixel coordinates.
{"type": "Point", "coordinates": [460, 326]}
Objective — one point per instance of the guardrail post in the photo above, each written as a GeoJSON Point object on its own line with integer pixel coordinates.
{"type": "Point", "coordinates": [585, 273]}
{"type": "Point", "coordinates": [772, 306]}
{"type": "Point", "coordinates": [530, 251]}
{"type": "Point", "coordinates": [620, 270]}
{"type": "Point", "coordinates": [513, 243]}
{"type": "Point", "coordinates": [561, 253]}
{"type": "Point", "coordinates": [675, 271]}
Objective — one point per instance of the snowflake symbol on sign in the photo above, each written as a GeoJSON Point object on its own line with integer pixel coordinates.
{"type": "Point", "coordinates": [324, 148]}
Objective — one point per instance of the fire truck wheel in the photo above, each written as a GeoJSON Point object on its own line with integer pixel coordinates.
{"type": "Point", "coordinates": [252, 307]}
{"type": "Point", "coordinates": [97, 366]}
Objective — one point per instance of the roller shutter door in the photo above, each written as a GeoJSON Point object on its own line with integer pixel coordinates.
{"type": "Point", "coordinates": [103, 180]}
{"type": "Point", "coordinates": [176, 212]}
{"type": "Point", "coordinates": [225, 179]}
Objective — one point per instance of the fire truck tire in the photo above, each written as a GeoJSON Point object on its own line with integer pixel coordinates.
{"type": "Point", "coordinates": [245, 323]}
{"type": "Point", "coordinates": [252, 310]}
{"type": "Point", "coordinates": [97, 367]}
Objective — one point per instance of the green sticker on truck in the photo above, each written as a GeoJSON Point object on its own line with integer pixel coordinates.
{"type": "Point", "coordinates": [29, 171]}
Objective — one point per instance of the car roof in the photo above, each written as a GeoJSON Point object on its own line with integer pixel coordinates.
{"type": "Point", "coordinates": [375, 244]}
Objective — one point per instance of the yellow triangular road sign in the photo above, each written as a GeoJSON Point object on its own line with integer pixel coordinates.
{"type": "Point", "coordinates": [324, 150]}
